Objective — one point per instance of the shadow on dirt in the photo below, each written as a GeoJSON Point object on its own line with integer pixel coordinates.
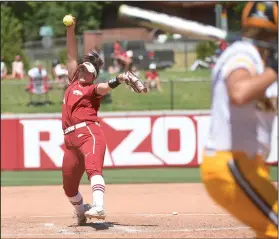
{"type": "Point", "coordinates": [99, 226]}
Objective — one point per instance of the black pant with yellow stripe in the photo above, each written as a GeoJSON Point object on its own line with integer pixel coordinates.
{"type": "Point", "coordinates": [242, 186]}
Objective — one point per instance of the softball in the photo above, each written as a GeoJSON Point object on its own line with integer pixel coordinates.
{"type": "Point", "coordinates": [68, 20]}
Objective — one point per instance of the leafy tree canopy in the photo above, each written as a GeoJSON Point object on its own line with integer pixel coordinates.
{"type": "Point", "coordinates": [33, 15]}
{"type": "Point", "coordinates": [11, 40]}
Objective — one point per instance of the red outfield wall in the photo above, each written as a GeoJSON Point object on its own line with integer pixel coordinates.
{"type": "Point", "coordinates": [154, 139]}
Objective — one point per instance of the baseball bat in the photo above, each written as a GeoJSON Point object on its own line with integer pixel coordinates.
{"type": "Point", "coordinates": [172, 24]}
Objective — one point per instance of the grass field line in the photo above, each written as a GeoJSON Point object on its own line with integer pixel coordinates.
{"type": "Point", "coordinates": [127, 214]}
{"type": "Point", "coordinates": [128, 230]}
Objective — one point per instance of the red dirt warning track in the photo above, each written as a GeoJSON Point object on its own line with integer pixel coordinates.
{"type": "Point", "coordinates": [134, 211]}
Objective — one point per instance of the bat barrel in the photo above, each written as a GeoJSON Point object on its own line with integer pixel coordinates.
{"type": "Point", "coordinates": [170, 24]}
{"type": "Point", "coordinates": [187, 28]}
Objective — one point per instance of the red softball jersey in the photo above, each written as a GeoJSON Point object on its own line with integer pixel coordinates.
{"type": "Point", "coordinates": [151, 75]}
{"type": "Point", "coordinates": [80, 104]}
{"type": "Point", "coordinates": [117, 49]}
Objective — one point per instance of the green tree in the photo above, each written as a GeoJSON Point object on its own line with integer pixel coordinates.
{"type": "Point", "coordinates": [11, 41]}
{"type": "Point", "coordinates": [234, 16]}
{"type": "Point", "coordinates": [239, 7]}
{"type": "Point", "coordinates": [205, 49]}
{"type": "Point", "coordinates": [37, 14]}
{"type": "Point", "coordinates": [62, 56]}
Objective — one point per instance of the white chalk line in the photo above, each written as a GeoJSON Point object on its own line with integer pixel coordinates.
{"type": "Point", "coordinates": [130, 230]}
{"type": "Point", "coordinates": [49, 224]}
{"type": "Point", "coordinates": [127, 214]}
{"type": "Point", "coordinates": [127, 229]}
{"type": "Point", "coordinates": [207, 229]}
{"type": "Point", "coordinates": [178, 214]}
{"type": "Point", "coordinates": [59, 230]}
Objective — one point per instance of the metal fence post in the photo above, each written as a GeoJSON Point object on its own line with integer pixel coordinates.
{"type": "Point", "coordinates": [18, 99]}
{"type": "Point", "coordinates": [218, 12]}
{"type": "Point", "coordinates": [171, 95]}
{"type": "Point", "coordinates": [185, 53]}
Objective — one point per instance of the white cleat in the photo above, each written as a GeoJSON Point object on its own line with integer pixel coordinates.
{"type": "Point", "coordinates": [96, 212]}
{"type": "Point", "coordinates": [81, 219]}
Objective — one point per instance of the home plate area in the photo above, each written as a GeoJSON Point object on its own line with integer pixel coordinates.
{"type": "Point", "coordinates": [134, 211]}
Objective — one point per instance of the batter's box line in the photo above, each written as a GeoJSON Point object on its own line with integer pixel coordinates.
{"type": "Point", "coordinates": [130, 229]}
{"type": "Point", "coordinates": [179, 214]}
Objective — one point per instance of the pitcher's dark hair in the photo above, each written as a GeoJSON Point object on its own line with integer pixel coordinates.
{"type": "Point", "coordinates": [94, 58]}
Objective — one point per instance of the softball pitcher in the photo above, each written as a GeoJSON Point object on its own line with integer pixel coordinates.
{"type": "Point", "coordinates": [83, 135]}
{"type": "Point", "coordinates": [244, 105]}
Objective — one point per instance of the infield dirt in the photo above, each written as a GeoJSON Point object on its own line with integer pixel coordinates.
{"type": "Point", "coordinates": [134, 211]}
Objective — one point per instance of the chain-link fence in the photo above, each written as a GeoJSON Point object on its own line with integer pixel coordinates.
{"type": "Point", "coordinates": [175, 94]}
{"type": "Point", "coordinates": [172, 53]}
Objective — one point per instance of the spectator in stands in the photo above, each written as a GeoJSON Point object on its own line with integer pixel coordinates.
{"type": "Point", "coordinates": [116, 49]}
{"type": "Point", "coordinates": [152, 78]}
{"type": "Point", "coordinates": [116, 55]}
{"type": "Point", "coordinates": [125, 60]}
{"type": "Point", "coordinates": [4, 70]}
{"type": "Point", "coordinates": [208, 62]}
{"type": "Point", "coordinates": [61, 75]}
{"type": "Point", "coordinates": [60, 71]}
{"type": "Point", "coordinates": [18, 68]}
{"type": "Point", "coordinates": [38, 80]}
{"type": "Point", "coordinates": [129, 60]}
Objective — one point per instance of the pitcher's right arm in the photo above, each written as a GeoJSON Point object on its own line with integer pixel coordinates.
{"type": "Point", "coordinates": [72, 50]}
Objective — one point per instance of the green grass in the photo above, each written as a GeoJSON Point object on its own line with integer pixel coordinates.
{"type": "Point", "coordinates": [186, 95]}
{"type": "Point", "coordinates": [112, 176]}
